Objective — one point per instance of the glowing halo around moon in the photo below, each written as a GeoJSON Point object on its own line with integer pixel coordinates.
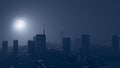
{"type": "Point", "coordinates": [19, 25]}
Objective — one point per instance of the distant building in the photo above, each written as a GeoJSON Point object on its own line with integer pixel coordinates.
{"type": "Point", "coordinates": [31, 47]}
{"type": "Point", "coordinates": [115, 42]}
{"type": "Point", "coordinates": [85, 42]}
{"type": "Point", "coordinates": [15, 47]}
{"type": "Point", "coordinates": [66, 44]}
{"type": "Point", "coordinates": [5, 48]}
{"type": "Point", "coordinates": [34, 42]}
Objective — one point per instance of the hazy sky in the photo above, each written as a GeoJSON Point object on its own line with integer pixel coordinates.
{"type": "Point", "coordinates": [99, 18]}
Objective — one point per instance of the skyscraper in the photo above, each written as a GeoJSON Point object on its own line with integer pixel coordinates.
{"type": "Point", "coordinates": [115, 42]}
{"type": "Point", "coordinates": [31, 47]}
{"type": "Point", "coordinates": [5, 48]}
{"type": "Point", "coordinates": [66, 45]}
{"type": "Point", "coordinates": [15, 47]}
{"type": "Point", "coordinates": [40, 43]}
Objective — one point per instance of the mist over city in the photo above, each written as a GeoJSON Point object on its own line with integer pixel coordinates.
{"type": "Point", "coordinates": [59, 34]}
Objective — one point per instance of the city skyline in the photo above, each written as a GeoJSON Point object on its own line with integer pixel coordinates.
{"type": "Point", "coordinates": [97, 18]}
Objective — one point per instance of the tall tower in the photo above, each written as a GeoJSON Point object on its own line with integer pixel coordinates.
{"type": "Point", "coordinates": [115, 42]}
{"type": "Point", "coordinates": [40, 43]}
{"type": "Point", "coordinates": [66, 45]}
{"type": "Point", "coordinates": [15, 47]}
{"type": "Point", "coordinates": [5, 48]}
{"type": "Point", "coordinates": [44, 29]}
{"type": "Point", "coordinates": [34, 42]}
{"type": "Point", "coordinates": [31, 47]}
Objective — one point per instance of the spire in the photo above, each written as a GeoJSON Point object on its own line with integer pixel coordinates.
{"type": "Point", "coordinates": [44, 29]}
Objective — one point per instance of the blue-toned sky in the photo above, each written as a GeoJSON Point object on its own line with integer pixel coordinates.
{"type": "Point", "coordinates": [99, 18]}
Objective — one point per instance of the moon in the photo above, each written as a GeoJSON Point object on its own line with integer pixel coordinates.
{"type": "Point", "coordinates": [19, 25]}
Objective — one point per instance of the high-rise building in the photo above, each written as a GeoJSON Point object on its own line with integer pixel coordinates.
{"type": "Point", "coordinates": [15, 47]}
{"type": "Point", "coordinates": [31, 47]}
{"type": "Point", "coordinates": [40, 43]}
{"type": "Point", "coordinates": [115, 42]}
{"type": "Point", "coordinates": [66, 44]}
{"type": "Point", "coordinates": [5, 48]}
{"type": "Point", "coordinates": [34, 42]}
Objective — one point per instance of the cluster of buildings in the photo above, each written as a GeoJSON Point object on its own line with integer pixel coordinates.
{"type": "Point", "coordinates": [38, 44]}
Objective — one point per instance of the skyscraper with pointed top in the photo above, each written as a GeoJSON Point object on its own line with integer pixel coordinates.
{"type": "Point", "coordinates": [40, 42]}
{"type": "Point", "coordinates": [44, 29]}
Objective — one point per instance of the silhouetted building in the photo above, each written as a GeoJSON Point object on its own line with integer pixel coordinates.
{"type": "Point", "coordinates": [85, 43]}
{"type": "Point", "coordinates": [5, 48]}
{"type": "Point", "coordinates": [115, 42]}
{"type": "Point", "coordinates": [66, 45]}
{"type": "Point", "coordinates": [35, 45]}
{"type": "Point", "coordinates": [15, 47]}
{"type": "Point", "coordinates": [40, 43]}
{"type": "Point", "coordinates": [77, 44]}
{"type": "Point", "coordinates": [31, 47]}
